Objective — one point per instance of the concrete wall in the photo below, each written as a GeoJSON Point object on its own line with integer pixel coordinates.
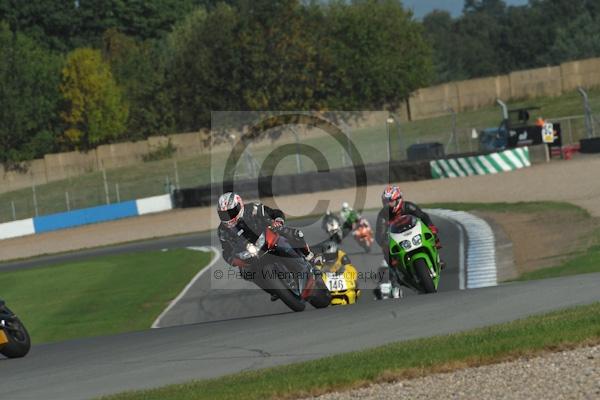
{"type": "Point", "coordinates": [535, 83]}
{"type": "Point", "coordinates": [585, 73]}
{"type": "Point", "coordinates": [121, 154]}
{"type": "Point", "coordinates": [475, 93]}
{"type": "Point", "coordinates": [434, 101]}
{"type": "Point", "coordinates": [74, 163]}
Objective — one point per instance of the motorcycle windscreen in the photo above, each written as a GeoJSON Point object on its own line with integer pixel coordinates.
{"type": "Point", "coordinates": [3, 338]}
{"type": "Point", "coordinates": [403, 223]}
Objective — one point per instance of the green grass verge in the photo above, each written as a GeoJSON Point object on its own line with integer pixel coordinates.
{"type": "Point", "coordinates": [584, 261]}
{"type": "Point", "coordinates": [103, 296]}
{"type": "Point", "coordinates": [529, 336]}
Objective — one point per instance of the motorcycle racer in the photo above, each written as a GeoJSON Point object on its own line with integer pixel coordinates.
{"type": "Point", "coordinates": [394, 206]}
{"type": "Point", "coordinates": [333, 260]}
{"type": "Point", "coordinates": [329, 216]}
{"type": "Point", "coordinates": [349, 218]}
{"type": "Point", "coordinates": [334, 257]}
{"type": "Point", "coordinates": [242, 224]}
{"type": "Point", "coordinates": [332, 226]}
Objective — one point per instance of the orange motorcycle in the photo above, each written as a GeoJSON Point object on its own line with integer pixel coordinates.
{"type": "Point", "coordinates": [363, 234]}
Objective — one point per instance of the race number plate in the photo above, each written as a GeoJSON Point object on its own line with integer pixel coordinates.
{"type": "Point", "coordinates": [336, 283]}
{"type": "Point", "coordinates": [3, 338]}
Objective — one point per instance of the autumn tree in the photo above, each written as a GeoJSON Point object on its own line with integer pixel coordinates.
{"type": "Point", "coordinates": [94, 111]}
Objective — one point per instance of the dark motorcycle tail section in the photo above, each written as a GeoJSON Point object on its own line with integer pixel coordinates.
{"type": "Point", "coordinates": [322, 296]}
{"type": "Point", "coordinates": [19, 342]}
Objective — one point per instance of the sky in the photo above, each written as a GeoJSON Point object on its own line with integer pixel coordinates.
{"type": "Point", "coordinates": [422, 7]}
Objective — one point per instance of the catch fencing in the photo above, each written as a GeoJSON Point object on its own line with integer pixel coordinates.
{"type": "Point", "coordinates": [375, 142]}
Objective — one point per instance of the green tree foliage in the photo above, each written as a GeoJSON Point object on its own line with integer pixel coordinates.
{"type": "Point", "coordinates": [29, 98]}
{"type": "Point", "coordinates": [282, 55]}
{"type": "Point", "coordinates": [95, 112]}
{"type": "Point", "coordinates": [205, 63]}
{"type": "Point", "coordinates": [378, 52]}
{"type": "Point", "coordinates": [492, 38]}
{"type": "Point", "coordinates": [578, 39]}
{"type": "Point", "coordinates": [139, 69]}
{"type": "Point", "coordinates": [164, 65]}
{"type": "Point", "coordinates": [53, 23]}
{"type": "Point", "coordinates": [67, 24]}
{"type": "Point", "coordinates": [277, 57]}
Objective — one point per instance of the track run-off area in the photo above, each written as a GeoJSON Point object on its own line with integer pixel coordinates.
{"type": "Point", "coordinates": [214, 332]}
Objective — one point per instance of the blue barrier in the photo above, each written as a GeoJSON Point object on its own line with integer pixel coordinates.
{"type": "Point", "coordinates": [85, 216]}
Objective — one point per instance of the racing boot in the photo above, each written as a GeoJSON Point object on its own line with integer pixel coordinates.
{"type": "Point", "coordinates": [397, 292]}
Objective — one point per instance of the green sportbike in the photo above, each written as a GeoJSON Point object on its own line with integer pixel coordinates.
{"type": "Point", "coordinates": [414, 258]}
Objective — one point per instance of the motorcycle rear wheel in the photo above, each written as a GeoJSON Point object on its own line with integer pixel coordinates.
{"type": "Point", "coordinates": [286, 295]}
{"type": "Point", "coordinates": [19, 343]}
{"type": "Point", "coordinates": [424, 277]}
{"type": "Point", "coordinates": [290, 300]}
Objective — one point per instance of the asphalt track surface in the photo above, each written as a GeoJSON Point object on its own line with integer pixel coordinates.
{"type": "Point", "coordinates": [250, 332]}
{"type": "Point", "coordinates": [209, 300]}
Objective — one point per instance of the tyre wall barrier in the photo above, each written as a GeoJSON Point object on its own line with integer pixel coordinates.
{"type": "Point", "coordinates": [310, 182]}
{"type": "Point", "coordinates": [85, 216]}
{"type": "Point", "coordinates": [590, 145]}
{"type": "Point", "coordinates": [493, 163]}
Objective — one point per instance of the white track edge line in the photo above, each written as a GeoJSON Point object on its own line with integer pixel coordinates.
{"type": "Point", "coordinates": [217, 257]}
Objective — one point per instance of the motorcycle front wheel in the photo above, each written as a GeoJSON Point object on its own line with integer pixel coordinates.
{"type": "Point", "coordinates": [19, 342]}
{"type": "Point", "coordinates": [424, 276]}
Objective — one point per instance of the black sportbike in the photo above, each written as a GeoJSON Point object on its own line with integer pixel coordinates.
{"type": "Point", "coordinates": [279, 269]}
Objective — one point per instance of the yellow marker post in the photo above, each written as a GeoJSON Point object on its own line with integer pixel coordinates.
{"type": "Point", "coordinates": [548, 137]}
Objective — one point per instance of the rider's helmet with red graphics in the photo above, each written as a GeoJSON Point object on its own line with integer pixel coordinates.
{"type": "Point", "coordinates": [392, 198]}
{"type": "Point", "coordinates": [230, 208]}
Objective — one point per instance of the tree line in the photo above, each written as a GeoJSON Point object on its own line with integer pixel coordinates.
{"type": "Point", "coordinates": [77, 74]}
{"type": "Point", "coordinates": [491, 38]}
